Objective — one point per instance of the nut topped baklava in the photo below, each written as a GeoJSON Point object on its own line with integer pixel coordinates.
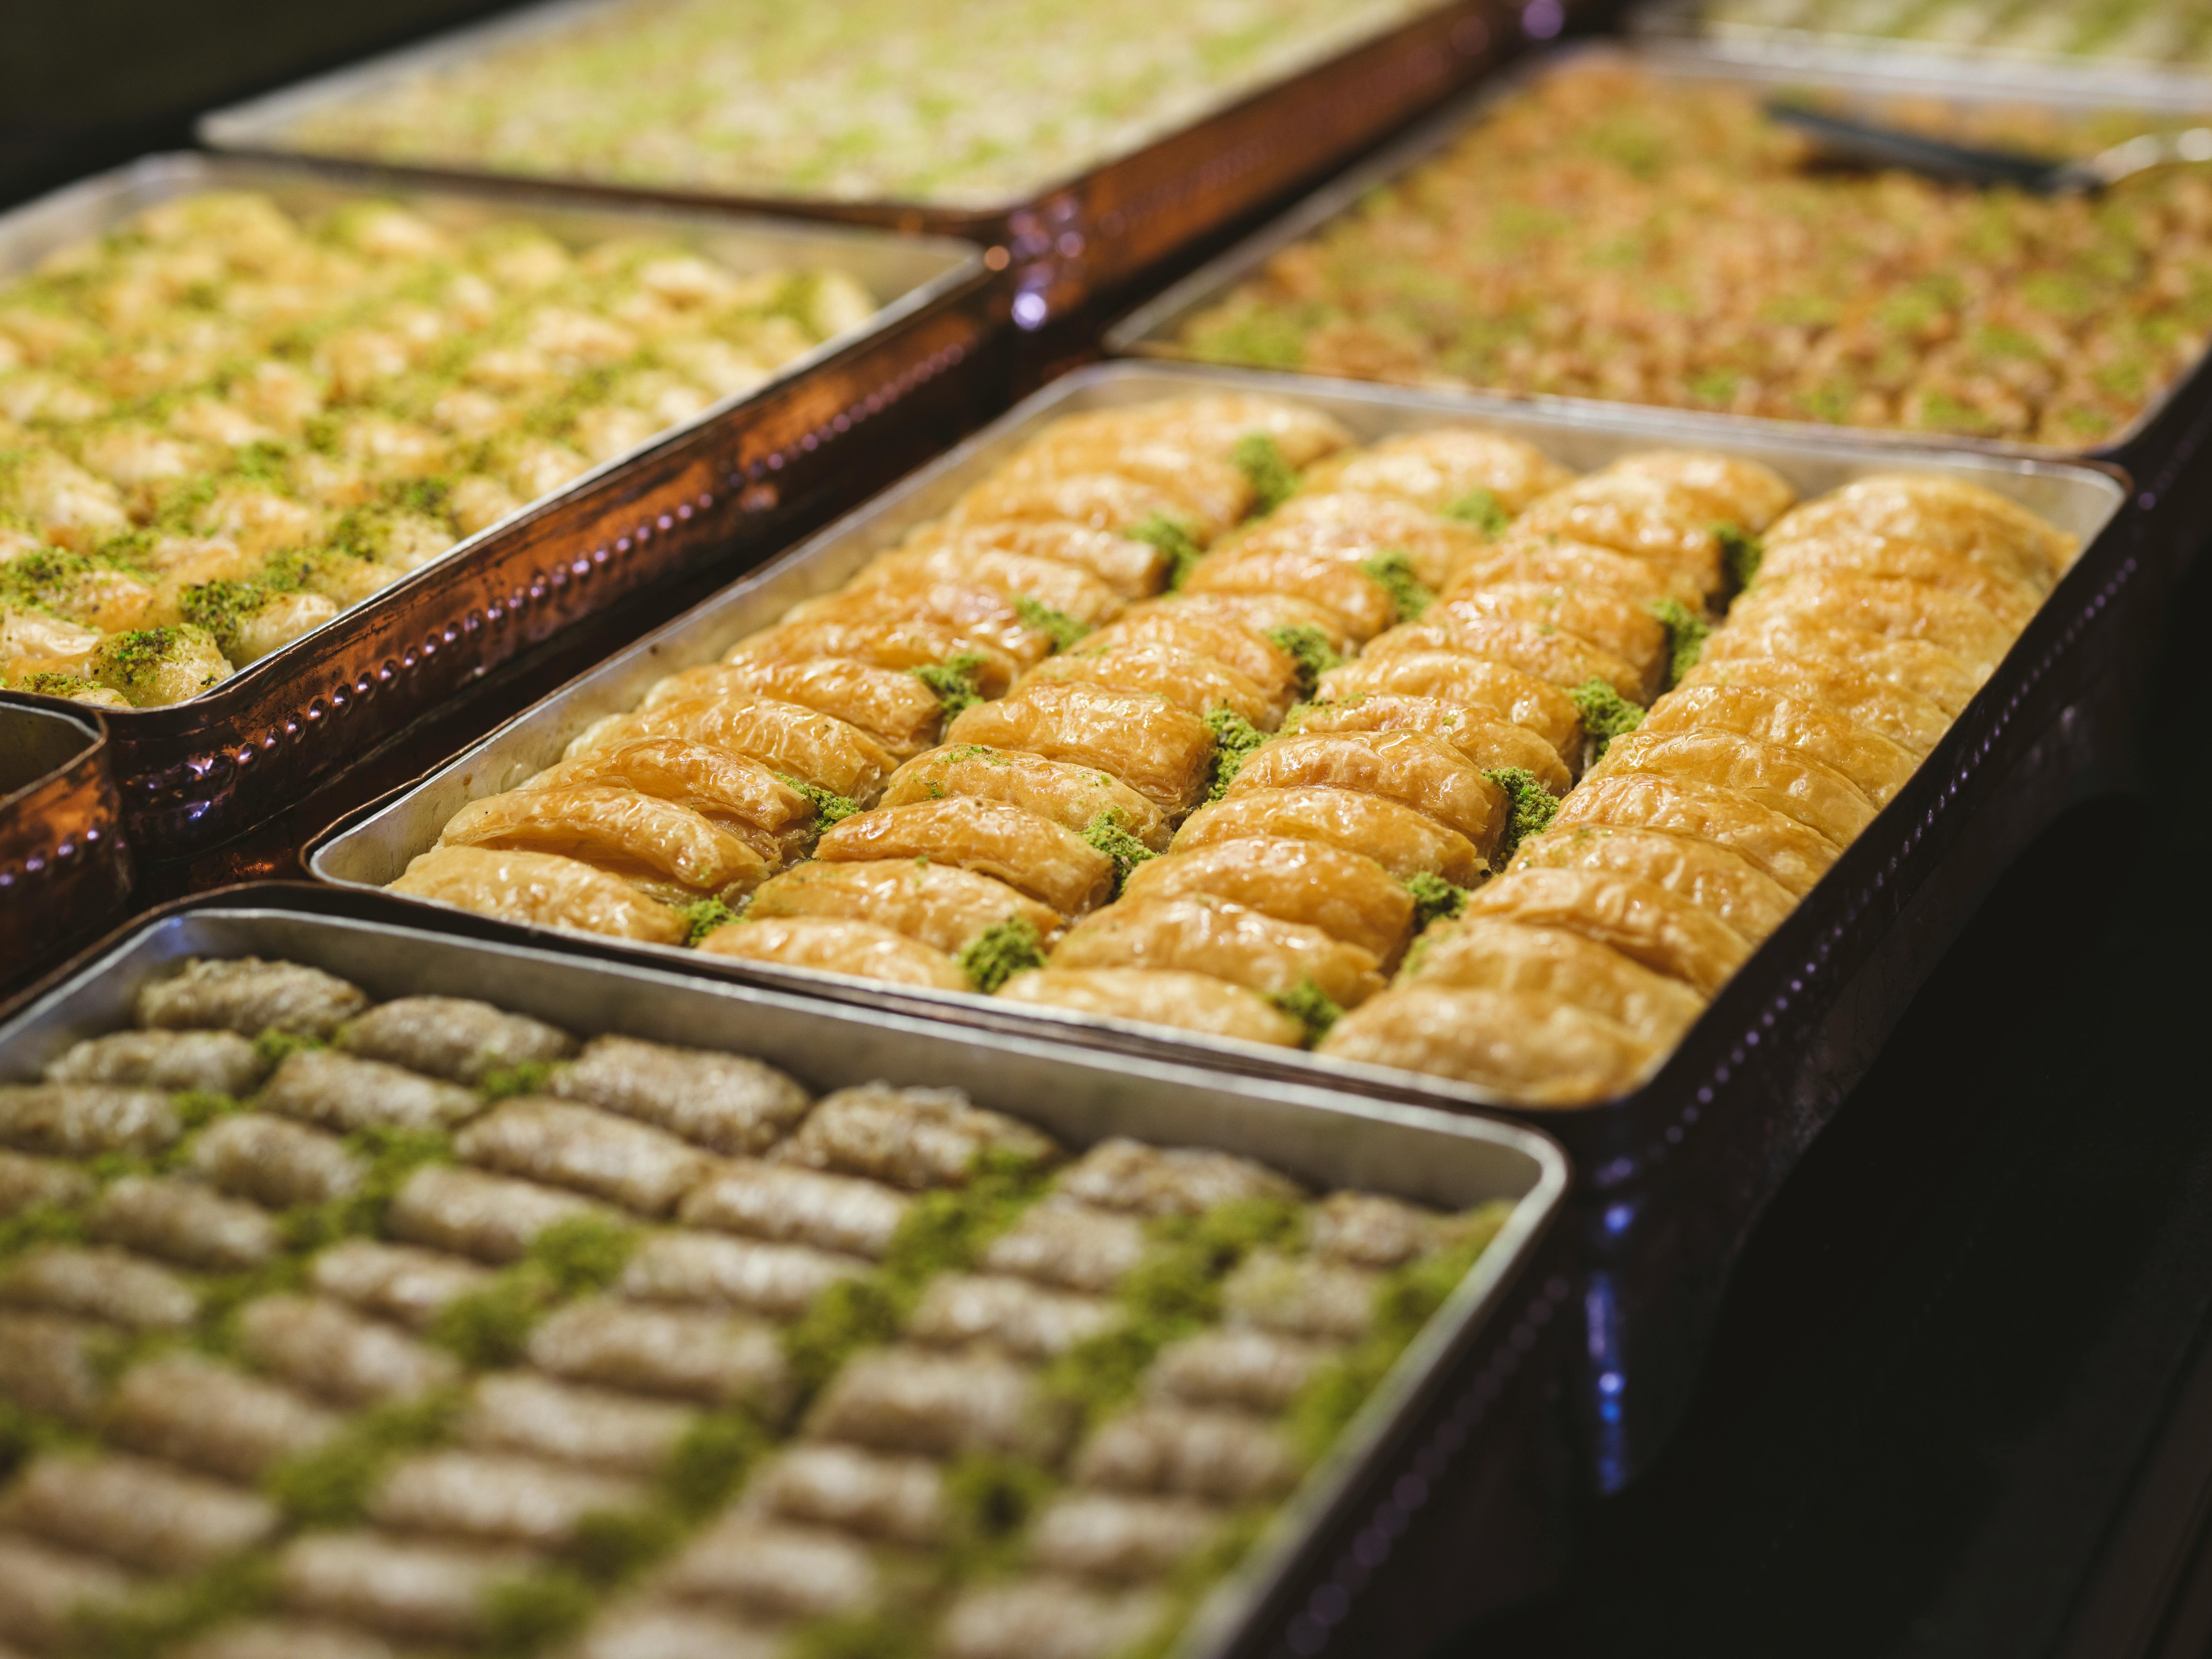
{"type": "Point", "coordinates": [224, 422]}
{"type": "Point", "coordinates": [337, 1327]}
{"type": "Point", "coordinates": [1427, 753]}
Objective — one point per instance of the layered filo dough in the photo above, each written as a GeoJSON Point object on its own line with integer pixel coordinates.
{"type": "Point", "coordinates": [350, 1330]}
{"type": "Point", "coordinates": [929, 776]}
{"type": "Point", "coordinates": [235, 414]}
{"type": "Point", "coordinates": [1872, 617]}
{"type": "Point", "coordinates": [1327, 701]}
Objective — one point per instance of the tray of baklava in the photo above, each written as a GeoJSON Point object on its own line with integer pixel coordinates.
{"type": "Point", "coordinates": [1336, 727]}
{"type": "Point", "coordinates": [347, 1314]}
{"type": "Point", "coordinates": [286, 458]}
{"type": "Point", "coordinates": [1639, 223]}
{"type": "Point", "coordinates": [1082, 143]}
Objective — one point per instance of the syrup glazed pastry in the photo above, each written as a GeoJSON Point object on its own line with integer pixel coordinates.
{"type": "Point", "coordinates": [972, 740]}
{"type": "Point", "coordinates": [225, 422]}
{"type": "Point", "coordinates": [1525, 720]}
{"type": "Point", "coordinates": [626, 1349]}
{"type": "Point", "coordinates": [1879, 611]}
{"type": "Point", "coordinates": [935, 775]}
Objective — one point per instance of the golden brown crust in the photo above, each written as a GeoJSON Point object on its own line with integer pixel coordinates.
{"type": "Point", "coordinates": [1049, 862]}
{"type": "Point", "coordinates": [1526, 1048]}
{"type": "Point", "coordinates": [838, 944]}
{"type": "Point", "coordinates": [1198, 934]}
{"type": "Point", "coordinates": [1642, 921]}
{"type": "Point", "coordinates": [1154, 996]}
{"type": "Point", "coordinates": [1346, 894]}
{"type": "Point", "coordinates": [943, 908]}
{"type": "Point", "coordinates": [1404, 842]}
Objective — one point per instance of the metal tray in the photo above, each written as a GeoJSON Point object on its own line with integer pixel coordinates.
{"type": "Point", "coordinates": [1798, 50]}
{"type": "Point", "coordinates": [1150, 330]}
{"type": "Point", "coordinates": [1457, 1428]}
{"type": "Point", "coordinates": [1080, 235]}
{"type": "Point", "coordinates": [719, 488]}
{"type": "Point", "coordinates": [64, 868]}
{"type": "Point", "coordinates": [1673, 1233]}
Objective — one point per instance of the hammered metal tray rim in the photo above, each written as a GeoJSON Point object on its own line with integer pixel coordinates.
{"type": "Point", "coordinates": [1465, 1314]}
{"type": "Point", "coordinates": [89, 725]}
{"type": "Point", "coordinates": [166, 175]}
{"type": "Point", "coordinates": [1144, 332]}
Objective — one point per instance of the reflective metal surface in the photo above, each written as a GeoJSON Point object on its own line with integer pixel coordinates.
{"type": "Point", "coordinates": [64, 869]}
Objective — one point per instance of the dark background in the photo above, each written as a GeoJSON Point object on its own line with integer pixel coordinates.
{"type": "Point", "coordinates": [1960, 1402]}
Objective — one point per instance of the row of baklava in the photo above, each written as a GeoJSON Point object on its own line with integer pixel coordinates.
{"type": "Point", "coordinates": [332, 1330]}
{"type": "Point", "coordinates": [870, 698]}
{"type": "Point", "coordinates": [964, 821]}
{"type": "Point", "coordinates": [223, 423]}
{"type": "Point", "coordinates": [1876, 613]}
{"type": "Point", "coordinates": [1410, 777]}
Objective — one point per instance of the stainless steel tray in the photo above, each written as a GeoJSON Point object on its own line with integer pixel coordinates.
{"type": "Point", "coordinates": [1671, 1176]}
{"type": "Point", "coordinates": [1150, 330]}
{"type": "Point", "coordinates": [1457, 1371]}
{"type": "Point", "coordinates": [1928, 62]}
{"type": "Point", "coordinates": [1076, 236]}
{"type": "Point", "coordinates": [64, 868]}
{"type": "Point", "coordinates": [374, 849]}
{"type": "Point", "coordinates": [717, 488]}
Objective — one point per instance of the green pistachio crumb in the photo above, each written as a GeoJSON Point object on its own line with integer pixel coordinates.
{"type": "Point", "coordinates": [711, 1460]}
{"type": "Point", "coordinates": [1685, 636]}
{"type": "Point", "coordinates": [275, 1046]}
{"type": "Point", "coordinates": [530, 1077]}
{"type": "Point", "coordinates": [331, 1484]}
{"type": "Point", "coordinates": [1482, 509]}
{"type": "Point", "coordinates": [1107, 833]}
{"type": "Point", "coordinates": [953, 680]}
{"type": "Point", "coordinates": [1308, 1004]}
{"type": "Point", "coordinates": [1273, 479]}
{"type": "Point", "coordinates": [535, 1612]}
{"type": "Point", "coordinates": [998, 952]}
{"type": "Point", "coordinates": [1741, 553]}
{"type": "Point", "coordinates": [1310, 647]}
{"type": "Point", "coordinates": [1533, 806]}
{"type": "Point", "coordinates": [829, 808]}
{"type": "Point", "coordinates": [1061, 628]}
{"type": "Point", "coordinates": [1606, 713]}
{"type": "Point", "coordinates": [703, 916]}
{"type": "Point", "coordinates": [1393, 568]}
{"type": "Point", "coordinates": [1234, 737]}
{"type": "Point", "coordinates": [1434, 899]}
{"type": "Point", "coordinates": [1172, 539]}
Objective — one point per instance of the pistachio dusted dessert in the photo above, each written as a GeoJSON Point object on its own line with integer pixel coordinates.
{"type": "Point", "coordinates": [974, 105]}
{"type": "Point", "coordinates": [1611, 233]}
{"type": "Point", "coordinates": [1426, 752]}
{"type": "Point", "coordinates": [336, 1328]}
{"type": "Point", "coordinates": [224, 422]}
